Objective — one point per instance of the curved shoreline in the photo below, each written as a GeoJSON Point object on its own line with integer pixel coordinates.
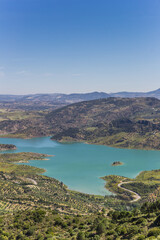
{"type": "Point", "coordinates": [45, 169]}
{"type": "Point", "coordinates": [16, 136]}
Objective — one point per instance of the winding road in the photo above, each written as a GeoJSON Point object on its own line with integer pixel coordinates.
{"type": "Point", "coordinates": [135, 195]}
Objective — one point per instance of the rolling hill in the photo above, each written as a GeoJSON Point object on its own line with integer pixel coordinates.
{"type": "Point", "coordinates": [118, 122]}
{"type": "Point", "coordinates": [57, 100]}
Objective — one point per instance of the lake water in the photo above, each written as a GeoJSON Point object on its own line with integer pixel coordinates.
{"type": "Point", "coordinates": [80, 165]}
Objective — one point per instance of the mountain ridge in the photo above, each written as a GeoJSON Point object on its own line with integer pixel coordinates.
{"type": "Point", "coordinates": [49, 102]}
{"type": "Point", "coordinates": [78, 96]}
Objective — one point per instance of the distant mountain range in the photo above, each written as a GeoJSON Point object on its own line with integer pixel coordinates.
{"type": "Point", "coordinates": [155, 94]}
{"type": "Point", "coordinates": [49, 102]}
{"type": "Point", "coordinates": [76, 97]}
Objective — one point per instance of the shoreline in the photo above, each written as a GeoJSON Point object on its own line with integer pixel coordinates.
{"type": "Point", "coordinates": [111, 146]}
{"type": "Point", "coordinates": [77, 141]}
{"type": "Point", "coordinates": [46, 159]}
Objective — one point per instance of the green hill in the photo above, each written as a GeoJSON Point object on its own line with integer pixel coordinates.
{"type": "Point", "coordinates": [45, 224]}
{"type": "Point", "coordinates": [118, 122]}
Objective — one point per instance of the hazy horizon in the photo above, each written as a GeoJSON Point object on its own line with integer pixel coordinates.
{"type": "Point", "coordinates": [39, 93]}
{"type": "Point", "coordinates": [79, 46]}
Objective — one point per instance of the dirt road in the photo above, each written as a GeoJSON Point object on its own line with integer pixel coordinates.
{"type": "Point", "coordinates": [135, 195]}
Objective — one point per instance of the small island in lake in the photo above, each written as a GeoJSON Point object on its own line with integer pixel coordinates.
{"type": "Point", "coordinates": [117, 163]}
{"type": "Point", "coordinates": [4, 147]}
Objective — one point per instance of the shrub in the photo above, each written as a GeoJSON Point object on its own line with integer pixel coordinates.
{"type": "Point", "coordinates": [154, 232]}
{"type": "Point", "coordinates": [141, 237]}
{"type": "Point", "coordinates": [110, 232]}
{"type": "Point", "coordinates": [133, 230]}
{"type": "Point", "coordinates": [80, 236]}
{"type": "Point", "coordinates": [157, 221]}
{"type": "Point", "coordinates": [96, 237]}
{"type": "Point", "coordinates": [38, 215]}
{"type": "Point", "coordinates": [142, 221]}
{"type": "Point", "coordinates": [121, 230]}
{"type": "Point", "coordinates": [2, 237]}
{"type": "Point", "coordinates": [58, 221]}
{"type": "Point", "coordinates": [49, 231]}
{"type": "Point", "coordinates": [100, 228]}
{"type": "Point", "coordinates": [30, 232]}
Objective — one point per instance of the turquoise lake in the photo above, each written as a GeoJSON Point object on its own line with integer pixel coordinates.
{"type": "Point", "coordinates": [80, 165]}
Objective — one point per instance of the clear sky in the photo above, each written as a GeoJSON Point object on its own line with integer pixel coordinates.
{"type": "Point", "coordinates": [49, 46]}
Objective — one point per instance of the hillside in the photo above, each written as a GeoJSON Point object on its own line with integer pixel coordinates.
{"type": "Point", "coordinates": [119, 122]}
{"type": "Point", "coordinates": [33, 206]}
{"type": "Point", "coordinates": [37, 102]}
{"type": "Point", "coordinates": [45, 224]}
{"type": "Point", "coordinates": [23, 187]}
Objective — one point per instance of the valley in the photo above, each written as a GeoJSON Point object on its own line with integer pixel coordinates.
{"type": "Point", "coordinates": [118, 122]}
{"type": "Point", "coordinates": [124, 123]}
{"type": "Point", "coordinates": [34, 206]}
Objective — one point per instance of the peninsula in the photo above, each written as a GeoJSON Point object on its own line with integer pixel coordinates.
{"type": "Point", "coordinates": [5, 147]}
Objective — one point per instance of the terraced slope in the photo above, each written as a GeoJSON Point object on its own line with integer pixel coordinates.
{"type": "Point", "coordinates": [23, 187]}
{"type": "Point", "coordinates": [46, 224]}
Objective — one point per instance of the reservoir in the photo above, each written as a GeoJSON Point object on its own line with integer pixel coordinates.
{"type": "Point", "coordinates": [80, 165]}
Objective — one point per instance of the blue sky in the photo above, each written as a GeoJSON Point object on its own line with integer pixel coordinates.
{"type": "Point", "coordinates": [79, 46]}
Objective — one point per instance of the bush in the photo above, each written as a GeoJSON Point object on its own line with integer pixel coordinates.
{"type": "Point", "coordinates": [142, 221]}
{"type": "Point", "coordinates": [110, 232]}
{"type": "Point", "coordinates": [100, 228]}
{"type": "Point", "coordinates": [30, 232]}
{"type": "Point", "coordinates": [141, 237]}
{"type": "Point", "coordinates": [157, 221]}
{"type": "Point", "coordinates": [50, 231]}
{"type": "Point", "coordinates": [154, 232]}
{"type": "Point", "coordinates": [20, 236]}
{"type": "Point", "coordinates": [40, 237]}
{"type": "Point", "coordinates": [121, 230]}
{"type": "Point", "coordinates": [80, 236]}
{"type": "Point", "coordinates": [96, 237]}
{"type": "Point", "coordinates": [38, 215]}
{"type": "Point", "coordinates": [2, 237]}
{"type": "Point", "coordinates": [58, 221]}
{"type": "Point", "coordinates": [133, 230]}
